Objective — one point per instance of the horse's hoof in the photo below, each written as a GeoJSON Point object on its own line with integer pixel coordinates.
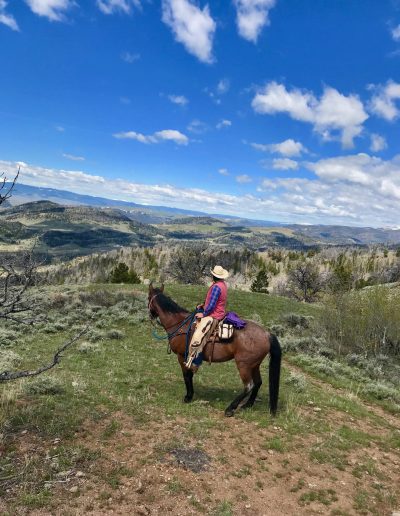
{"type": "Point", "coordinates": [187, 399]}
{"type": "Point", "coordinates": [229, 413]}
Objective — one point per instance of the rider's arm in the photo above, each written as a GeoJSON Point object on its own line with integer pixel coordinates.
{"type": "Point", "coordinates": [215, 293]}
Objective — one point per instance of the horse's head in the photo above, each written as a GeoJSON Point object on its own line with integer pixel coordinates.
{"type": "Point", "coordinates": [152, 305]}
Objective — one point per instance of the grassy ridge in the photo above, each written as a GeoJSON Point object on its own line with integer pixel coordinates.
{"type": "Point", "coordinates": [120, 372]}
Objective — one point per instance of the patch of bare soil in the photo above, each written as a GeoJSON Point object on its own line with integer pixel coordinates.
{"type": "Point", "coordinates": [160, 469]}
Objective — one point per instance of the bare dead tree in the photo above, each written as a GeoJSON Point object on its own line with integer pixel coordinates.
{"type": "Point", "coordinates": [17, 276]}
{"type": "Point", "coordinates": [17, 302]}
{"type": "Point", "coordinates": [189, 265]}
{"type": "Point", "coordinates": [5, 189]}
{"type": "Point", "coordinates": [305, 282]}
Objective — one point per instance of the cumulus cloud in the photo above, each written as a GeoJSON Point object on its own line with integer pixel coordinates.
{"type": "Point", "coordinates": [382, 103]}
{"type": "Point", "coordinates": [115, 6]}
{"type": "Point", "coordinates": [215, 93]}
{"type": "Point", "coordinates": [223, 86]}
{"type": "Point", "coordinates": [252, 16]}
{"type": "Point", "coordinates": [130, 58]}
{"type": "Point", "coordinates": [223, 123]}
{"type": "Point", "coordinates": [288, 147]}
{"type": "Point", "coordinates": [192, 26]}
{"type": "Point", "coordinates": [284, 164]}
{"type": "Point", "coordinates": [54, 10]}
{"type": "Point", "coordinates": [333, 111]}
{"type": "Point", "coordinates": [243, 178]}
{"type": "Point", "coordinates": [223, 171]}
{"type": "Point", "coordinates": [396, 33]}
{"type": "Point", "coordinates": [157, 137]}
{"type": "Point", "coordinates": [378, 143]}
{"type": "Point", "coordinates": [73, 157]}
{"type": "Point", "coordinates": [360, 189]}
{"type": "Point", "coordinates": [197, 127]}
{"type": "Point", "coordinates": [181, 100]}
{"type": "Point", "coordinates": [7, 19]}
{"type": "Point", "coordinates": [356, 189]}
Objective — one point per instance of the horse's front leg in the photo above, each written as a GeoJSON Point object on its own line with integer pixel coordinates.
{"type": "Point", "coordinates": [188, 378]}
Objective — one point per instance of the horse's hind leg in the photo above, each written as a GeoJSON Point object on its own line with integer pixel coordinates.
{"type": "Point", "coordinates": [188, 378]}
{"type": "Point", "coordinates": [243, 398]}
{"type": "Point", "coordinates": [257, 384]}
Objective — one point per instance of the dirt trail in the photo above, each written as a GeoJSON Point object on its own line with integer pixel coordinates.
{"type": "Point", "coordinates": [243, 477]}
{"type": "Point", "coordinates": [248, 469]}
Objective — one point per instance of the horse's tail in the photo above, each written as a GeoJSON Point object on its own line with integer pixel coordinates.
{"type": "Point", "coordinates": [274, 373]}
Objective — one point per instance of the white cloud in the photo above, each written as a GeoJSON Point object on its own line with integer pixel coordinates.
{"type": "Point", "coordinates": [243, 178]}
{"type": "Point", "coordinates": [197, 127]}
{"type": "Point", "coordinates": [7, 19]}
{"type": "Point", "coordinates": [223, 86]}
{"type": "Point", "coordinates": [114, 6]}
{"type": "Point", "coordinates": [157, 137]}
{"type": "Point", "coordinates": [172, 135]}
{"type": "Point", "coordinates": [72, 157]}
{"type": "Point", "coordinates": [396, 33]}
{"type": "Point", "coordinates": [192, 26]}
{"type": "Point", "coordinates": [284, 164]}
{"type": "Point", "coordinates": [130, 58]}
{"type": "Point", "coordinates": [331, 112]}
{"type": "Point", "coordinates": [288, 147]}
{"type": "Point", "coordinates": [223, 123]}
{"type": "Point", "coordinates": [54, 10]}
{"type": "Point", "coordinates": [357, 190]}
{"type": "Point", "coordinates": [382, 102]}
{"type": "Point", "coordinates": [223, 171]}
{"type": "Point", "coordinates": [252, 16]}
{"type": "Point", "coordinates": [181, 100]}
{"type": "Point", "coordinates": [60, 128]}
{"type": "Point", "coordinates": [378, 143]}
{"type": "Point", "coordinates": [125, 100]}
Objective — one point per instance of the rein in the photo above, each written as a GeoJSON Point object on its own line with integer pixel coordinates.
{"type": "Point", "coordinates": [170, 335]}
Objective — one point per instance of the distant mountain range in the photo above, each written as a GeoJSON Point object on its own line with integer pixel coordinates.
{"type": "Point", "coordinates": [145, 213]}
{"type": "Point", "coordinates": [66, 225]}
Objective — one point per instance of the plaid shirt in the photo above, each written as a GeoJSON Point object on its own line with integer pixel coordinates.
{"type": "Point", "coordinates": [215, 293]}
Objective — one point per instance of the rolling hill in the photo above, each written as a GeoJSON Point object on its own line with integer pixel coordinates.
{"type": "Point", "coordinates": [64, 232]}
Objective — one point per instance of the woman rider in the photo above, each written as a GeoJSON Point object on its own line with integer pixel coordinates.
{"type": "Point", "coordinates": [208, 319]}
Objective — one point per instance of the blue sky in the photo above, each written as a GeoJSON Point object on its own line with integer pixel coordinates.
{"type": "Point", "coordinates": [282, 110]}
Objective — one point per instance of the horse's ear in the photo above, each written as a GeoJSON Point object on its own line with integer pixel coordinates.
{"type": "Point", "coordinates": [151, 286]}
{"type": "Point", "coordinates": [162, 287]}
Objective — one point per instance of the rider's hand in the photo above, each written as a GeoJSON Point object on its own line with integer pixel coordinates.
{"type": "Point", "coordinates": [199, 316]}
{"type": "Point", "coordinates": [199, 307]}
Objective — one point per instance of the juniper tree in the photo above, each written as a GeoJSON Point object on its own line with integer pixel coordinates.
{"type": "Point", "coordinates": [260, 283]}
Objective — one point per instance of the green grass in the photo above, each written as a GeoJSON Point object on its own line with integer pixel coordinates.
{"type": "Point", "coordinates": [134, 376]}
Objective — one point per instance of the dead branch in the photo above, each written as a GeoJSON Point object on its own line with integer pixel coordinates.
{"type": "Point", "coordinates": [16, 278]}
{"type": "Point", "coordinates": [7, 190]}
{"type": "Point", "coordinates": [9, 375]}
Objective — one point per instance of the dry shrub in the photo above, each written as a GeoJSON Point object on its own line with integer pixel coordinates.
{"type": "Point", "coordinates": [366, 321]}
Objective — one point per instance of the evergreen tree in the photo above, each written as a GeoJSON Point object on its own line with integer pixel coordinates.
{"type": "Point", "coordinates": [260, 284]}
{"type": "Point", "coordinates": [122, 274]}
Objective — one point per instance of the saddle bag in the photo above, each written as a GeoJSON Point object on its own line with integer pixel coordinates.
{"type": "Point", "coordinates": [225, 330]}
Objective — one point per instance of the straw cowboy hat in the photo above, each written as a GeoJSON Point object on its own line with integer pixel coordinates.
{"type": "Point", "coordinates": [219, 272]}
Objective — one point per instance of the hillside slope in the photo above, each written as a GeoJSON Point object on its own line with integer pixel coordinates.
{"type": "Point", "coordinates": [107, 430]}
{"type": "Point", "coordinates": [65, 232]}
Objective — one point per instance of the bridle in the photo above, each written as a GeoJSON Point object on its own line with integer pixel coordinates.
{"type": "Point", "coordinates": [178, 326]}
{"type": "Point", "coordinates": [149, 305]}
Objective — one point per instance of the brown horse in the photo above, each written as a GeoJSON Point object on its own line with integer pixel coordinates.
{"type": "Point", "coordinates": [248, 347]}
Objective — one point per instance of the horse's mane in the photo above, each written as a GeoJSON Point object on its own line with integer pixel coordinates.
{"type": "Point", "coordinates": [167, 304]}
